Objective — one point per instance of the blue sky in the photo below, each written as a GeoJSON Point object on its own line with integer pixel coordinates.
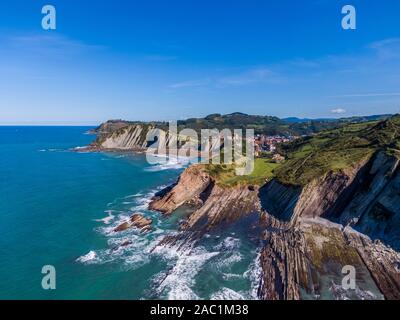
{"type": "Point", "coordinates": [164, 60]}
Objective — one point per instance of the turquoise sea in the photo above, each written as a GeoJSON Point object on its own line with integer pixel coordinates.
{"type": "Point", "coordinates": [58, 207]}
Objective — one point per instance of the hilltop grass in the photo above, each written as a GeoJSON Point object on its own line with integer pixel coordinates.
{"type": "Point", "coordinates": [225, 175]}
{"type": "Point", "coordinates": [312, 157]}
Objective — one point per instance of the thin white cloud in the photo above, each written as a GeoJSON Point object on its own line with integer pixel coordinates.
{"type": "Point", "coordinates": [254, 75]}
{"type": "Point", "coordinates": [189, 83]}
{"type": "Point", "coordinates": [367, 95]}
{"type": "Point", "coordinates": [49, 44]}
{"type": "Point", "coordinates": [250, 76]}
{"type": "Point", "coordinates": [338, 111]}
{"type": "Point", "coordinates": [387, 49]}
{"type": "Point", "coordinates": [384, 43]}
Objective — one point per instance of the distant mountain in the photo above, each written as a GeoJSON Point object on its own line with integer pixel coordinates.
{"type": "Point", "coordinates": [300, 120]}
{"type": "Point", "coordinates": [348, 119]}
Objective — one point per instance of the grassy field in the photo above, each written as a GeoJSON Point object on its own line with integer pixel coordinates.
{"type": "Point", "coordinates": [333, 150]}
{"type": "Point", "coordinates": [225, 174]}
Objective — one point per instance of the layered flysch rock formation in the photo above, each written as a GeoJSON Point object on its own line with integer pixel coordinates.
{"type": "Point", "coordinates": [347, 217]}
{"type": "Point", "coordinates": [365, 197]}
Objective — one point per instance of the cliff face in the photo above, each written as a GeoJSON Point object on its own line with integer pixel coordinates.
{"type": "Point", "coordinates": [191, 184]}
{"type": "Point", "coordinates": [374, 208]}
{"type": "Point", "coordinates": [365, 197]}
{"type": "Point", "coordinates": [318, 198]}
{"type": "Point", "coordinates": [212, 204]}
{"type": "Point", "coordinates": [130, 137]}
{"type": "Point", "coordinates": [115, 135]}
{"type": "Point", "coordinates": [307, 262]}
{"type": "Point", "coordinates": [221, 205]}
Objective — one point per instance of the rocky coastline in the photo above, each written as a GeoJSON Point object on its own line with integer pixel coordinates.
{"type": "Point", "coordinates": [344, 217]}
{"type": "Point", "coordinates": [307, 232]}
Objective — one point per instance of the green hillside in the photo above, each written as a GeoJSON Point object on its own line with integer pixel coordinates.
{"type": "Point", "coordinates": [267, 125]}
{"type": "Point", "coordinates": [311, 157]}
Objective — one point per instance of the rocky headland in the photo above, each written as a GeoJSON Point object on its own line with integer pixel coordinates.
{"type": "Point", "coordinates": [334, 202]}
{"type": "Point", "coordinates": [307, 232]}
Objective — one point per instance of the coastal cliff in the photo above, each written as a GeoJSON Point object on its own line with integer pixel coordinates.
{"type": "Point", "coordinates": [125, 136]}
{"type": "Point", "coordinates": [212, 203]}
{"type": "Point", "coordinates": [365, 197]}
{"type": "Point", "coordinates": [308, 234]}
{"type": "Point", "coordinates": [189, 188]}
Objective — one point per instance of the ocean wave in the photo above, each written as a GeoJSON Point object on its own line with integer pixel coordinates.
{"type": "Point", "coordinates": [229, 248]}
{"type": "Point", "coordinates": [90, 257]}
{"type": "Point", "coordinates": [169, 164]}
{"type": "Point", "coordinates": [162, 167]}
{"type": "Point", "coordinates": [230, 276]}
{"type": "Point", "coordinates": [143, 201]}
{"type": "Point", "coordinates": [228, 261]}
{"type": "Point", "coordinates": [254, 274]}
{"type": "Point", "coordinates": [108, 218]}
{"type": "Point", "coordinates": [178, 281]}
{"type": "Point", "coordinates": [132, 249]}
{"type": "Point", "coordinates": [51, 150]}
{"type": "Point", "coordinates": [227, 294]}
{"type": "Point", "coordinates": [228, 244]}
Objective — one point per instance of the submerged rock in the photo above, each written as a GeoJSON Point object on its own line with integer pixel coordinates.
{"type": "Point", "coordinates": [138, 221]}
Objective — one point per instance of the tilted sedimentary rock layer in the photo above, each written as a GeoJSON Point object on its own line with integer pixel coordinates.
{"type": "Point", "coordinates": [318, 198]}
{"type": "Point", "coordinates": [192, 182]}
{"type": "Point", "coordinates": [382, 262]}
{"type": "Point", "coordinates": [222, 205]}
{"type": "Point", "coordinates": [365, 197]}
{"type": "Point", "coordinates": [142, 137]}
{"type": "Point", "coordinates": [310, 231]}
{"type": "Point", "coordinates": [215, 204]}
{"type": "Point", "coordinates": [296, 262]}
{"type": "Point", "coordinates": [130, 137]}
{"type": "Point", "coordinates": [137, 221]}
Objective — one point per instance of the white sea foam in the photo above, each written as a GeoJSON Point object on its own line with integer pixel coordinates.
{"type": "Point", "coordinates": [135, 195]}
{"type": "Point", "coordinates": [230, 276]}
{"type": "Point", "coordinates": [143, 202]}
{"type": "Point", "coordinates": [50, 150]}
{"type": "Point", "coordinates": [172, 163]}
{"type": "Point", "coordinates": [177, 283]}
{"type": "Point", "coordinates": [254, 274]}
{"type": "Point", "coordinates": [132, 249]}
{"type": "Point", "coordinates": [167, 166]}
{"type": "Point", "coordinates": [229, 243]}
{"type": "Point", "coordinates": [90, 257]}
{"type": "Point", "coordinates": [227, 294]}
{"type": "Point", "coordinates": [228, 261]}
{"type": "Point", "coordinates": [108, 219]}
